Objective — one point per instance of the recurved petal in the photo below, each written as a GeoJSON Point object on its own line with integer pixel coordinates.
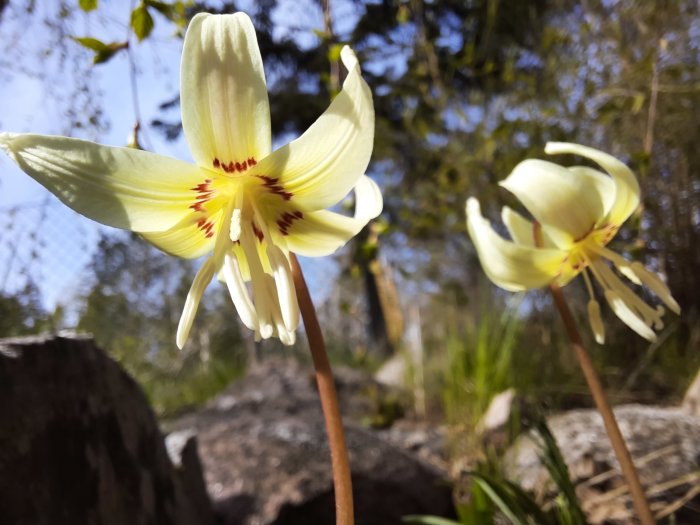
{"type": "Point", "coordinates": [200, 283]}
{"type": "Point", "coordinates": [321, 167]}
{"type": "Point", "coordinates": [558, 198]}
{"type": "Point", "coordinates": [121, 187]}
{"type": "Point", "coordinates": [225, 110]}
{"type": "Point", "coordinates": [511, 266]}
{"type": "Point", "coordinates": [626, 186]}
{"type": "Point", "coordinates": [323, 232]}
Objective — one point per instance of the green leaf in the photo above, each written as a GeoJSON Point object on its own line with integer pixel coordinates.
{"type": "Point", "coordinates": [91, 43]}
{"type": "Point", "coordinates": [141, 22]}
{"type": "Point", "coordinates": [165, 9]}
{"type": "Point", "coordinates": [87, 5]}
{"type": "Point", "coordinates": [103, 52]}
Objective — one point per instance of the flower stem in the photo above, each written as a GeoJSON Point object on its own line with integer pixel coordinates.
{"type": "Point", "coordinates": [641, 505]}
{"type": "Point", "coordinates": [329, 400]}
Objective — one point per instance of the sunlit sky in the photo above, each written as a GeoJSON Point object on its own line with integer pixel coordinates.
{"type": "Point", "coordinates": [35, 92]}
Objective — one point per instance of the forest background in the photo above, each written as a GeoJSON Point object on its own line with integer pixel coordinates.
{"type": "Point", "coordinates": [463, 91]}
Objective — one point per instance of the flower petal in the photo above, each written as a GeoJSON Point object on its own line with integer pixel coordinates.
{"type": "Point", "coordinates": [599, 182]}
{"type": "Point", "coordinates": [200, 283]}
{"type": "Point", "coordinates": [323, 232]}
{"type": "Point", "coordinates": [558, 198]}
{"type": "Point", "coordinates": [511, 266]}
{"type": "Point", "coordinates": [319, 168]}
{"type": "Point", "coordinates": [239, 293]}
{"type": "Point", "coordinates": [225, 110]}
{"type": "Point", "coordinates": [121, 187]}
{"type": "Point", "coordinates": [286, 292]}
{"type": "Point", "coordinates": [626, 186]}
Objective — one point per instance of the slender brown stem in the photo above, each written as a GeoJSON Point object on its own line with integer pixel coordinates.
{"type": "Point", "coordinates": [329, 401]}
{"type": "Point", "coordinates": [641, 505]}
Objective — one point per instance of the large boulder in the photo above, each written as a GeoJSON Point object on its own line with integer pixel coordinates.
{"type": "Point", "coordinates": [664, 444]}
{"type": "Point", "coordinates": [79, 443]}
{"type": "Point", "coordinates": [266, 460]}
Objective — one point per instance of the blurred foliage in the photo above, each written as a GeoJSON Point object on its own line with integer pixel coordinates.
{"type": "Point", "coordinates": [22, 313]}
{"type": "Point", "coordinates": [463, 91]}
{"type": "Point", "coordinates": [492, 493]}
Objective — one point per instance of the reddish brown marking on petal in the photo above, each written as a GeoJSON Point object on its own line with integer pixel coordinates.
{"type": "Point", "coordinates": [260, 235]}
{"type": "Point", "coordinates": [235, 166]}
{"type": "Point", "coordinates": [209, 235]}
{"type": "Point", "coordinates": [287, 220]}
{"type": "Point", "coordinates": [204, 193]}
{"type": "Point", "coordinates": [274, 187]}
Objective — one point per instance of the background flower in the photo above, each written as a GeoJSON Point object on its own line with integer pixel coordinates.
{"type": "Point", "coordinates": [577, 212]}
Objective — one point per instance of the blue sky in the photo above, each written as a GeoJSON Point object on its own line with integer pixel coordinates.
{"type": "Point", "coordinates": [38, 235]}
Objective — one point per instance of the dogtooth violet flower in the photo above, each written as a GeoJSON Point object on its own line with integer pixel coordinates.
{"type": "Point", "coordinates": [244, 205]}
{"type": "Point", "coordinates": [577, 212]}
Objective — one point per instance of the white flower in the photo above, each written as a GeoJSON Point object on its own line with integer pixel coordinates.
{"type": "Point", "coordinates": [577, 212]}
{"type": "Point", "coordinates": [243, 204]}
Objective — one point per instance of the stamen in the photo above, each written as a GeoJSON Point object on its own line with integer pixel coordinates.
{"type": "Point", "coordinates": [286, 293]}
{"type": "Point", "coordinates": [639, 275]}
{"type": "Point", "coordinates": [652, 281]}
{"type": "Point", "coordinates": [235, 230]}
{"type": "Point", "coordinates": [596, 321]}
{"type": "Point", "coordinates": [616, 291]}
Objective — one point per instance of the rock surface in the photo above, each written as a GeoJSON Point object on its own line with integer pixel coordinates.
{"type": "Point", "coordinates": [79, 443]}
{"type": "Point", "coordinates": [265, 455]}
{"type": "Point", "coordinates": [665, 446]}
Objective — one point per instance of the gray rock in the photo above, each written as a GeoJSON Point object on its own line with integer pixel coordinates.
{"type": "Point", "coordinates": [79, 443]}
{"type": "Point", "coordinates": [264, 450]}
{"type": "Point", "coordinates": [664, 444]}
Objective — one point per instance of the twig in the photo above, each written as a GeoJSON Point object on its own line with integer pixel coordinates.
{"type": "Point", "coordinates": [329, 400]}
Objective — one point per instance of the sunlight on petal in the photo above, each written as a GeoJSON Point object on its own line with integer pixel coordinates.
{"type": "Point", "coordinates": [120, 187]}
{"type": "Point", "coordinates": [557, 198]}
{"type": "Point", "coordinates": [627, 190]}
{"type": "Point", "coordinates": [225, 109]}
{"type": "Point", "coordinates": [321, 167]}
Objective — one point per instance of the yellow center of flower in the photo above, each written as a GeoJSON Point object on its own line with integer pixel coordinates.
{"type": "Point", "coordinates": [587, 249]}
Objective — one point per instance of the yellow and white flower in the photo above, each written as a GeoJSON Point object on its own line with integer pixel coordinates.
{"type": "Point", "coordinates": [243, 204]}
{"type": "Point", "coordinates": [577, 211]}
